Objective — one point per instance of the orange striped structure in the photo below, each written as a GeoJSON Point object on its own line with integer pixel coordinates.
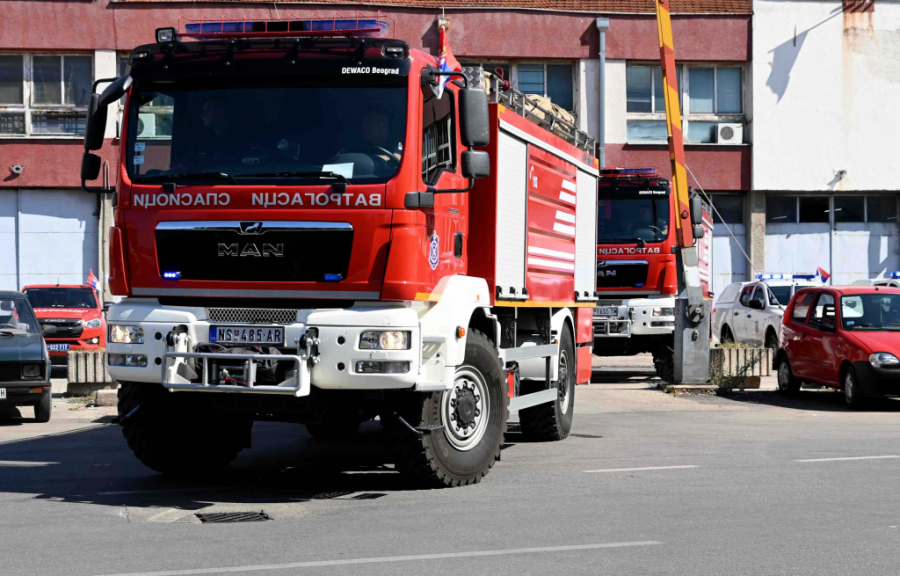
{"type": "Point", "coordinates": [683, 226]}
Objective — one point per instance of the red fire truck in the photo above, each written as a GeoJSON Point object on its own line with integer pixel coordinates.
{"type": "Point", "coordinates": [315, 223]}
{"type": "Point", "coordinates": [636, 266]}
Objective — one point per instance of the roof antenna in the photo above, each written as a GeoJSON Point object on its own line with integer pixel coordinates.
{"type": "Point", "coordinates": [57, 281]}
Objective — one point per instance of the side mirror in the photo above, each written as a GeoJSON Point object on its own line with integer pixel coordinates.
{"type": "Point", "coordinates": [476, 164]}
{"type": "Point", "coordinates": [699, 231]}
{"type": "Point", "coordinates": [105, 307]}
{"type": "Point", "coordinates": [696, 211]}
{"type": "Point", "coordinates": [90, 166]}
{"type": "Point", "coordinates": [756, 305]}
{"type": "Point", "coordinates": [48, 329]}
{"type": "Point", "coordinates": [116, 89]}
{"type": "Point", "coordinates": [97, 110]}
{"type": "Point", "coordinates": [474, 122]}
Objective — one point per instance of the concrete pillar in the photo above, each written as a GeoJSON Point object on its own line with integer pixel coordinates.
{"type": "Point", "coordinates": [756, 231]}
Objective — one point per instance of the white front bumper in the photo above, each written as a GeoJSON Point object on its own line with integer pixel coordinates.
{"type": "Point", "coordinates": [338, 349]}
{"type": "Point", "coordinates": [635, 318]}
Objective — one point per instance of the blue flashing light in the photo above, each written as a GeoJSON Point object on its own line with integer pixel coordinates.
{"type": "Point", "coordinates": [804, 276]}
{"type": "Point", "coordinates": [332, 277]}
{"type": "Point", "coordinates": [172, 275]}
{"type": "Point", "coordinates": [894, 275]}
{"type": "Point", "coordinates": [770, 276]}
{"type": "Point", "coordinates": [638, 285]}
{"type": "Point", "coordinates": [299, 25]}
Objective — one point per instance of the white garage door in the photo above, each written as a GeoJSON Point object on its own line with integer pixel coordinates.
{"type": "Point", "coordinates": [729, 263]}
{"type": "Point", "coordinates": [47, 236]}
{"type": "Point", "coordinates": [851, 237]}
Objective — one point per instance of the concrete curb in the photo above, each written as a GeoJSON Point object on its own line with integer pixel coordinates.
{"type": "Point", "coordinates": [106, 397]}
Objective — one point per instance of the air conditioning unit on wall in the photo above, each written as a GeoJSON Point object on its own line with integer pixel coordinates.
{"type": "Point", "coordinates": [730, 133]}
{"type": "Point", "coordinates": [146, 125]}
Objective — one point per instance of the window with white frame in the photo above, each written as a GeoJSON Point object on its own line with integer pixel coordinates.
{"type": "Point", "coordinates": [155, 118]}
{"type": "Point", "coordinates": [44, 94]}
{"type": "Point", "coordinates": [709, 94]}
{"type": "Point", "coordinates": [555, 80]}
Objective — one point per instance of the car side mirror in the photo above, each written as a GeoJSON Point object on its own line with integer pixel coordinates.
{"type": "Point", "coordinates": [474, 121]}
{"type": "Point", "coordinates": [106, 307]}
{"type": "Point", "coordinates": [696, 211]}
{"type": "Point", "coordinates": [756, 305]}
{"type": "Point", "coordinates": [476, 164]}
{"type": "Point", "coordinates": [826, 325]}
{"type": "Point", "coordinates": [48, 329]}
{"type": "Point", "coordinates": [90, 166]}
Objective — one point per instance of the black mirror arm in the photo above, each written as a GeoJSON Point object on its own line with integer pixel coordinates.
{"type": "Point", "coordinates": [468, 188]}
{"type": "Point", "coordinates": [429, 76]}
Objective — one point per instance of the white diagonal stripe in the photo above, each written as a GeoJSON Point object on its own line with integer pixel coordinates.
{"type": "Point", "coordinates": [548, 252]}
{"type": "Point", "coordinates": [552, 264]}
{"type": "Point", "coordinates": [563, 229]}
{"type": "Point", "coordinates": [890, 456]}
{"type": "Point", "coordinates": [569, 185]}
{"type": "Point", "coordinates": [641, 469]}
{"type": "Point", "coordinates": [565, 216]}
{"type": "Point", "coordinates": [566, 197]}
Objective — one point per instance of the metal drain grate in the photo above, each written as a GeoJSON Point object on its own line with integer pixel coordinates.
{"type": "Point", "coordinates": [226, 517]}
{"type": "Point", "coordinates": [332, 495]}
{"type": "Point", "coordinates": [369, 496]}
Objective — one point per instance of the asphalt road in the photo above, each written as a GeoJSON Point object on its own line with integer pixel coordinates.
{"type": "Point", "coordinates": [647, 484]}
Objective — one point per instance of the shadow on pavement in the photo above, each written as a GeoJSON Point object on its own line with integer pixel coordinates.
{"type": "Point", "coordinates": [824, 400]}
{"type": "Point", "coordinates": [625, 375]}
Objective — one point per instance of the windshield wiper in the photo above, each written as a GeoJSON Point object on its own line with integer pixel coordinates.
{"type": "Point", "coordinates": [639, 241]}
{"type": "Point", "coordinates": [191, 176]}
{"type": "Point", "coordinates": [319, 175]}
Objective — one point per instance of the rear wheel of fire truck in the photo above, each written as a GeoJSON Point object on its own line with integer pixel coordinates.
{"type": "Point", "coordinates": [664, 363]}
{"type": "Point", "coordinates": [44, 407]}
{"type": "Point", "coordinates": [553, 421]}
{"type": "Point", "coordinates": [173, 434]}
{"type": "Point", "coordinates": [472, 415]}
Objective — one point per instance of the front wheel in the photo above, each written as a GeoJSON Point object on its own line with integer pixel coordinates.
{"type": "Point", "coordinates": [44, 408]}
{"type": "Point", "coordinates": [468, 422]}
{"type": "Point", "coordinates": [853, 396]}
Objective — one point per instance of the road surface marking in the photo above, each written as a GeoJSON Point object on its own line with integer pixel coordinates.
{"type": "Point", "coordinates": [641, 469]}
{"type": "Point", "coordinates": [388, 559]}
{"type": "Point", "coordinates": [24, 464]}
{"type": "Point", "coordinates": [849, 458]}
{"type": "Point", "coordinates": [126, 492]}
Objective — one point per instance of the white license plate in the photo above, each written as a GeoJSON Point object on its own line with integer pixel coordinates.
{"type": "Point", "coordinates": [273, 336]}
{"type": "Point", "coordinates": [2, 393]}
{"type": "Point", "coordinates": [608, 311]}
{"type": "Point", "coordinates": [57, 347]}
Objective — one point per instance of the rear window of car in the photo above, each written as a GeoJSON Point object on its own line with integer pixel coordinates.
{"type": "Point", "coordinates": [801, 306]}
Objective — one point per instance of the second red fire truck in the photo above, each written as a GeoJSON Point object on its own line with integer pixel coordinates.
{"type": "Point", "coordinates": [315, 223]}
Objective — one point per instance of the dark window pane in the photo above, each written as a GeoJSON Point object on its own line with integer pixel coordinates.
{"type": "Point", "coordinates": [531, 78]}
{"type": "Point", "coordinates": [882, 208]}
{"type": "Point", "coordinates": [78, 78]}
{"type": "Point", "coordinates": [728, 91]}
{"type": "Point", "coordinates": [58, 123]}
{"type": "Point", "coordinates": [814, 209]}
{"type": "Point", "coordinates": [47, 76]}
{"type": "Point", "coordinates": [12, 122]}
{"type": "Point", "coordinates": [11, 80]}
{"type": "Point", "coordinates": [559, 85]}
{"type": "Point", "coordinates": [637, 89]}
{"type": "Point", "coordinates": [849, 209]}
{"type": "Point", "coordinates": [123, 65]}
{"type": "Point", "coordinates": [730, 207]}
{"type": "Point", "coordinates": [659, 98]}
{"type": "Point", "coordinates": [781, 209]}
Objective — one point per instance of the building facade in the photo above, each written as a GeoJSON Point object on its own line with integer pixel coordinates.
{"type": "Point", "coordinates": [52, 52]}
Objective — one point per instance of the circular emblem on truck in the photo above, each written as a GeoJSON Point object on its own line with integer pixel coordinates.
{"type": "Point", "coordinates": [434, 252]}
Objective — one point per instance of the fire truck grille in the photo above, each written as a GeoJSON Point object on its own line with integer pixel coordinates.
{"type": "Point", "coordinates": [255, 251]}
{"type": "Point", "coordinates": [253, 315]}
{"type": "Point", "coordinates": [612, 274]}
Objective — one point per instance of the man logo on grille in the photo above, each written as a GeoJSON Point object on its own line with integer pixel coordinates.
{"type": "Point", "coordinates": [434, 253]}
{"type": "Point", "coordinates": [251, 227]}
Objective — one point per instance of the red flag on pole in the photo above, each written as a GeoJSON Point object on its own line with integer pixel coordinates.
{"type": "Point", "coordinates": [824, 275]}
{"type": "Point", "coordinates": [93, 281]}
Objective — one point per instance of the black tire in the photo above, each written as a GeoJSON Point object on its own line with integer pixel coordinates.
{"type": "Point", "coordinates": [44, 408]}
{"type": "Point", "coordinates": [438, 459]}
{"type": "Point", "coordinates": [553, 421]}
{"type": "Point", "coordinates": [727, 336]}
{"type": "Point", "coordinates": [335, 429]}
{"type": "Point", "coordinates": [664, 363]}
{"type": "Point", "coordinates": [854, 398]}
{"type": "Point", "coordinates": [173, 434]}
{"type": "Point", "coordinates": [772, 345]}
{"type": "Point", "coordinates": [787, 382]}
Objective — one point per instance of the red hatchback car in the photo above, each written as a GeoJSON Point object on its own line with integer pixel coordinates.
{"type": "Point", "coordinates": [845, 337]}
{"type": "Point", "coordinates": [77, 314]}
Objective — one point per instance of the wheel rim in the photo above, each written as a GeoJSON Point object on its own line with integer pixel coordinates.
{"type": "Point", "coordinates": [465, 409]}
{"type": "Point", "coordinates": [848, 388]}
{"type": "Point", "coordinates": [563, 384]}
{"type": "Point", "coordinates": [783, 375]}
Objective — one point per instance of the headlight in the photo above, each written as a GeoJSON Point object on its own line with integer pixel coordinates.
{"type": "Point", "coordinates": [95, 323]}
{"type": "Point", "coordinates": [663, 311]}
{"type": "Point", "coordinates": [880, 359]}
{"type": "Point", "coordinates": [119, 334]}
{"type": "Point", "coordinates": [387, 340]}
{"type": "Point", "coordinates": [31, 371]}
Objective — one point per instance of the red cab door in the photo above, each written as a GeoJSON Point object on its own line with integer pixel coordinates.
{"type": "Point", "coordinates": [796, 333]}
{"type": "Point", "coordinates": [822, 341]}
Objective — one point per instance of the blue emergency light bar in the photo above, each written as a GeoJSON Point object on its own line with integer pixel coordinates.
{"type": "Point", "coordinates": [803, 276]}
{"type": "Point", "coordinates": [172, 275]}
{"type": "Point", "coordinates": [628, 171]}
{"type": "Point", "coordinates": [785, 276]}
{"type": "Point", "coordinates": [362, 25]}
{"type": "Point", "coordinates": [770, 276]}
{"type": "Point", "coordinates": [894, 275]}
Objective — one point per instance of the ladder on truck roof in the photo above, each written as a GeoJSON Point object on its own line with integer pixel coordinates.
{"type": "Point", "coordinates": [501, 92]}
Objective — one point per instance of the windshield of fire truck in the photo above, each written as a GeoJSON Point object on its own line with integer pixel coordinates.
{"type": "Point", "coordinates": [628, 216]}
{"type": "Point", "coordinates": [289, 131]}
